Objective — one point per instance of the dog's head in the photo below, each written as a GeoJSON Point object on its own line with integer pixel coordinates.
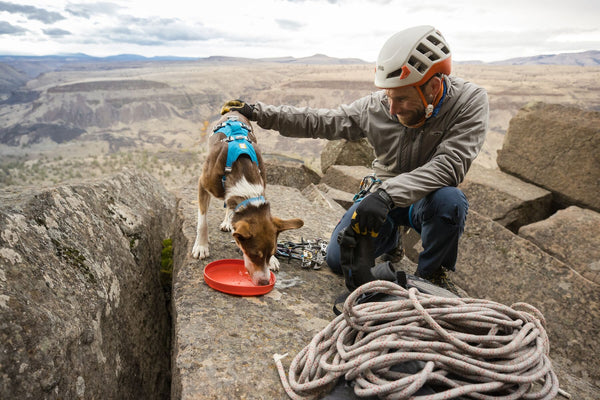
{"type": "Point", "coordinates": [255, 232]}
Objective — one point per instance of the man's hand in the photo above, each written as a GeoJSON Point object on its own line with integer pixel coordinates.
{"type": "Point", "coordinates": [240, 106]}
{"type": "Point", "coordinates": [370, 214]}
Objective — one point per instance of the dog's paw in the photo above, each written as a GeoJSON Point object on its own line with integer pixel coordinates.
{"type": "Point", "coordinates": [200, 251]}
{"type": "Point", "coordinates": [274, 264]}
{"type": "Point", "coordinates": [226, 226]}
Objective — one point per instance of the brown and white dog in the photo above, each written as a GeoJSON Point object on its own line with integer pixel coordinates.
{"type": "Point", "coordinates": [238, 177]}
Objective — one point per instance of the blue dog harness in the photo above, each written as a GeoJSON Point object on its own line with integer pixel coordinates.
{"type": "Point", "coordinates": [236, 136]}
{"type": "Point", "coordinates": [238, 144]}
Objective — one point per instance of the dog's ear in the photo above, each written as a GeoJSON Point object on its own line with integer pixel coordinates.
{"type": "Point", "coordinates": [241, 230]}
{"type": "Point", "coordinates": [285, 224]}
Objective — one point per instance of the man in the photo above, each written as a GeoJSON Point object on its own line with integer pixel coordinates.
{"type": "Point", "coordinates": [426, 128]}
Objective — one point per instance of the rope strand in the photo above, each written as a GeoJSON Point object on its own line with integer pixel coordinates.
{"type": "Point", "coordinates": [463, 347]}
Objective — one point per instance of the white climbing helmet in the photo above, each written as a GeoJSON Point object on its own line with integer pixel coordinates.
{"type": "Point", "coordinates": [411, 57]}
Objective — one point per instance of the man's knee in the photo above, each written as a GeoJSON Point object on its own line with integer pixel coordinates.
{"type": "Point", "coordinates": [450, 204]}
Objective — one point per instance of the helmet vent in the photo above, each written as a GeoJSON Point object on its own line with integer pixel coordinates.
{"type": "Point", "coordinates": [416, 64]}
{"type": "Point", "coordinates": [438, 43]}
{"type": "Point", "coordinates": [394, 74]}
{"type": "Point", "coordinates": [430, 54]}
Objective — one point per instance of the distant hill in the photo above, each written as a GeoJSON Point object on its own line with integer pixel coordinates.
{"type": "Point", "coordinates": [31, 66]}
{"type": "Point", "coordinates": [15, 70]}
{"type": "Point", "coordinates": [10, 79]}
{"type": "Point", "coordinates": [316, 59]}
{"type": "Point", "coordinates": [320, 59]}
{"type": "Point", "coordinates": [586, 58]}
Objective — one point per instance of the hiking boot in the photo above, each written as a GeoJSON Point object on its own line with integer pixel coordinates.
{"type": "Point", "coordinates": [441, 279]}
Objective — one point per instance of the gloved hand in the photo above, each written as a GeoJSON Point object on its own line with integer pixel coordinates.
{"type": "Point", "coordinates": [369, 216]}
{"type": "Point", "coordinates": [357, 257]}
{"type": "Point", "coordinates": [240, 106]}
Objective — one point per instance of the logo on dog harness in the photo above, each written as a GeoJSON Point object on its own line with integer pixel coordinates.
{"type": "Point", "coordinates": [239, 144]}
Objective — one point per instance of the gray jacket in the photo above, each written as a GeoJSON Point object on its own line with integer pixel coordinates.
{"type": "Point", "coordinates": [412, 162]}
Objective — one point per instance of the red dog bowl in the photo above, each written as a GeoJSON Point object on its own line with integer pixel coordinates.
{"type": "Point", "coordinates": [230, 276]}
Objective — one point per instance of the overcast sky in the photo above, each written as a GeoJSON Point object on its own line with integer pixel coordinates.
{"type": "Point", "coordinates": [486, 30]}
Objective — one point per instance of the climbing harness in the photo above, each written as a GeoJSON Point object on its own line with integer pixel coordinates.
{"type": "Point", "coordinates": [366, 185]}
{"type": "Point", "coordinates": [460, 346]}
{"type": "Point", "coordinates": [311, 253]}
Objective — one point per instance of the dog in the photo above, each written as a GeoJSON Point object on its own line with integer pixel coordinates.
{"type": "Point", "coordinates": [234, 172]}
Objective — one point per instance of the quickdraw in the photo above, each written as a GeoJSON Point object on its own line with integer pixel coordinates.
{"type": "Point", "coordinates": [311, 253]}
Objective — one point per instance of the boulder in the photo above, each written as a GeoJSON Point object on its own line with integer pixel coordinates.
{"type": "Point", "coordinates": [322, 198]}
{"type": "Point", "coordinates": [344, 152]}
{"type": "Point", "coordinates": [504, 198]}
{"type": "Point", "coordinates": [556, 147]}
{"type": "Point", "coordinates": [344, 199]}
{"type": "Point", "coordinates": [289, 172]}
{"type": "Point", "coordinates": [345, 178]}
{"type": "Point", "coordinates": [496, 264]}
{"type": "Point", "coordinates": [83, 311]}
{"type": "Point", "coordinates": [573, 236]}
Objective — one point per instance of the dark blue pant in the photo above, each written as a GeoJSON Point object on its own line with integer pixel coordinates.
{"type": "Point", "coordinates": [439, 218]}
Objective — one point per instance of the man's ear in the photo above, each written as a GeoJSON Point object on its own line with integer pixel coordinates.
{"type": "Point", "coordinates": [433, 86]}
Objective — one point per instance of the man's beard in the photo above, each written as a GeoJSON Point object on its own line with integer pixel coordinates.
{"type": "Point", "coordinates": [412, 118]}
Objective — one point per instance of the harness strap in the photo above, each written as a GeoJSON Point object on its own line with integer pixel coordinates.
{"type": "Point", "coordinates": [223, 124]}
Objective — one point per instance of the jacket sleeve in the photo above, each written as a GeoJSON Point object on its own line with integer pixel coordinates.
{"type": "Point", "coordinates": [318, 123]}
{"type": "Point", "coordinates": [464, 138]}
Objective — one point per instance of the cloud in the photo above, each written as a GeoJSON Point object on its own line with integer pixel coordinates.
{"type": "Point", "coordinates": [152, 31]}
{"type": "Point", "coordinates": [8, 29]}
{"type": "Point", "coordinates": [89, 11]}
{"type": "Point", "coordinates": [481, 29]}
{"type": "Point", "coordinates": [31, 12]}
{"type": "Point", "coordinates": [289, 25]}
{"type": "Point", "coordinates": [56, 32]}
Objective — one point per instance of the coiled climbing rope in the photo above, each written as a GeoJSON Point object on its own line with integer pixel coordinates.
{"type": "Point", "coordinates": [465, 347]}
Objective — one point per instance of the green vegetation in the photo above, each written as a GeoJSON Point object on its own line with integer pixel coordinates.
{"type": "Point", "coordinates": [166, 265]}
{"type": "Point", "coordinates": [75, 259]}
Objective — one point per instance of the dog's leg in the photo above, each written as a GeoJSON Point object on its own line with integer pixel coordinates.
{"type": "Point", "coordinates": [274, 264]}
{"type": "Point", "coordinates": [226, 224]}
{"type": "Point", "coordinates": [200, 249]}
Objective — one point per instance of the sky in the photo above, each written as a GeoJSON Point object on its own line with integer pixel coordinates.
{"type": "Point", "coordinates": [485, 30]}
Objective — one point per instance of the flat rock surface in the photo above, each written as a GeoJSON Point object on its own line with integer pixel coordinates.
{"type": "Point", "coordinates": [225, 344]}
